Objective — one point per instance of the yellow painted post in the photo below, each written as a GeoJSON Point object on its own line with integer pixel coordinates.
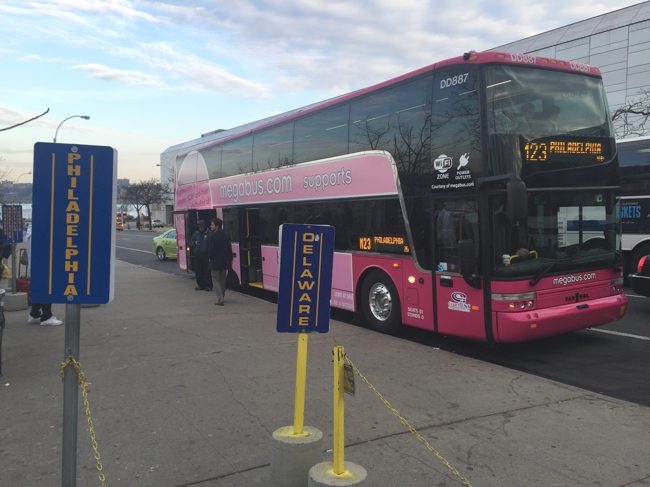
{"type": "Point", "coordinates": [301, 382]}
{"type": "Point", "coordinates": [339, 412]}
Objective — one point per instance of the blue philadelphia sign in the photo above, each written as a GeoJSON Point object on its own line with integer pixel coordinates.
{"type": "Point", "coordinates": [73, 224]}
{"type": "Point", "coordinates": [306, 259]}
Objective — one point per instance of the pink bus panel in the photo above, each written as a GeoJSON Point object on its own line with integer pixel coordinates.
{"type": "Point", "coordinates": [192, 196]}
{"type": "Point", "coordinates": [270, 267]}
{"type": "Point", "coordinates": [370, 173]}
{"type": "Point", "coordinates": [530, 325]}
{"type": "Point", "coordinates": [466, 317]}
{"type": "Point", "coordinates": [559, 290]}
{"type": "Point", "coordinates": [415, 299]}
{"type": "Point", "coordinates": [342, 282]}
{"type": "Point", "coordinates": [181, 254]}
{"type": "Point", "coordinates": [561, 304]}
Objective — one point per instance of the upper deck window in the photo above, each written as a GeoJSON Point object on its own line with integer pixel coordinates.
{"type": "Point", "coordinates": [540, 119]}
{"type": "Point", "coordinates": [540, 103]}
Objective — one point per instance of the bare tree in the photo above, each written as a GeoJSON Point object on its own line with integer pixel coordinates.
{"type": "Point", "coordinates": [152, 193]}
{"type": "Point", "coordinates": [132, 195]}
{"type": "Point", "coordinates": [143, 195]}
{"type": "Point", "coordinates": [631, 118]}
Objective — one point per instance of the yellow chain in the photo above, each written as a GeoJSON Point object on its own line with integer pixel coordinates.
{"type": "Point", "coordinates": [91, 428]}
{"type": "Point", "coordinates": [406, 423]}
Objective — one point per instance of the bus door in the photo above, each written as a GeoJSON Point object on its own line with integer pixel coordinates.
{"type": "Point", "coordinates": [181, 222]}
{"type": "Point", "coordinates": [251, 247]}
{"type": "Point", "coordinates": [459, 305]}
{"type": "Point", "coordinates": [186, 223]}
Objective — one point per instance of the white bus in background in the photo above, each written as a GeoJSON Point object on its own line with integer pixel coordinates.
{"type": "Point", "coordinates": [634, 164]}
{"type": "Point", "coordinates": [580, 224]}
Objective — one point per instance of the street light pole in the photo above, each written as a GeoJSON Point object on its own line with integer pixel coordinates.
{"type": "Point", "coordinates": [85, 117]}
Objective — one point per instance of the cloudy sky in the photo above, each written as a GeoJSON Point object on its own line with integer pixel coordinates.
{"type": "Point", "coordinates": [152, 74]}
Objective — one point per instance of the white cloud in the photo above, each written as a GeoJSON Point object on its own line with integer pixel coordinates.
{"type": "Point", "coordinates": [186, 71]}
{"type": "Point", "coordinates": [133, 78]}
{"type": "Point", "coordinates": [340, 45]}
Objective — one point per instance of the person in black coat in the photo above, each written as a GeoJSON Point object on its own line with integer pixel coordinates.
{"type": "Point", "coordinates": [220, 254]}
{"type": "Point", "coordinates": [199, 242]}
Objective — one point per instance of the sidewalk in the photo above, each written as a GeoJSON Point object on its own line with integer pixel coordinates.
{"type": "Point", "coordinates": [187, 393]}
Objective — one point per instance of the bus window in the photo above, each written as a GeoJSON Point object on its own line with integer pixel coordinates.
{"type": "Point", "coordinates": [322, 135]}
{"type": "Point", "coordinates": [273, 147]}
{"type": "Point", "coordinates": [454, 220]}
{"type": "Point", "coordinates": [562, 230]}
{"type": "Point", "coordinates": [456, 123]}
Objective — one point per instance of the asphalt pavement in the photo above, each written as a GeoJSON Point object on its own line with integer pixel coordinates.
{"type": "Point", "coordinates": [183, 393]}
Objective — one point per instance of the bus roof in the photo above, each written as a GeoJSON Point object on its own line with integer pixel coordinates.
{"type": "Point", "coordinates": [221, 136]}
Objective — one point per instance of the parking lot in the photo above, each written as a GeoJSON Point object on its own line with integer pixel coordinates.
{"type": "Point", "coordinates": [187, 393]}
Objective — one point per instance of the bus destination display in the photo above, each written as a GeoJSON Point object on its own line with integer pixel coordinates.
{"type": "Point", "coordinates": [564, 151]}
{"type": "Point", "coordinates": [383, 243]}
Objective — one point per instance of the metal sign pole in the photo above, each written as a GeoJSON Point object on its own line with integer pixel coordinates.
{"type": "Point", "coordinates": [70, 395]}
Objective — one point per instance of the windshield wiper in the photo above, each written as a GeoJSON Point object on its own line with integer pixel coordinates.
{"type": "Point", "coordinates": [544, 271]}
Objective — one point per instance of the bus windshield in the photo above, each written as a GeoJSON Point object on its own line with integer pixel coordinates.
{"type": "Point", "coordinates": [537, 103]}
{"type": "Point", "coordinates": [564, 231]}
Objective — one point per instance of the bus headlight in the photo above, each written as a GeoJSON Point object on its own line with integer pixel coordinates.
{"type": "Point", "coordinates": [516, 302]}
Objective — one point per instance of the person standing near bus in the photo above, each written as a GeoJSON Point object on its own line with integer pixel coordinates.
{"type": "Point", "coordinates": [220, 258]}
{"type": "Point", "coordinates": [39, 313]}
{"type": "Point", "coordinates": [201, 265]}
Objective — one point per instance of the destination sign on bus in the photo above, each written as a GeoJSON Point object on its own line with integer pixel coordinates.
{"type": "Point", "coordinates": [383, 243]}
{"type": "Point", "coordinates": [565, 151]}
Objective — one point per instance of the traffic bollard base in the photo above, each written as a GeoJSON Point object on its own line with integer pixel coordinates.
{"type": "Point", "coordinates": [322, 475]}
{"type": "Point", "coordinates": [293, 455]}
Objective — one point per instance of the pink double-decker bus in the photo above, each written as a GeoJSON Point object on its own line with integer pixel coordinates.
{"type": "Point", "coordinates": [475, 197]}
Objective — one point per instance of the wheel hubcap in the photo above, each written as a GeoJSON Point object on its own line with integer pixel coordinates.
{"type": "Point", "coordinates": [381, 303]}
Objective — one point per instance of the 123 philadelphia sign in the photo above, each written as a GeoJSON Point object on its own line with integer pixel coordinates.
{"type": "Point", "coordinates": [73, 223]}
{"type": "Point", "coordinates": [306, 259]}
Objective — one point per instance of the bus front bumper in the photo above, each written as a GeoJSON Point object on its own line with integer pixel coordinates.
{"type": "Point", "coordinates": [530, 325]}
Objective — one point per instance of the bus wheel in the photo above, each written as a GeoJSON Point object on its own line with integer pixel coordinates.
{"type": "Point", "coordinates": [636, 257]}
{"type": "Point", "coordinates": [380, 303]}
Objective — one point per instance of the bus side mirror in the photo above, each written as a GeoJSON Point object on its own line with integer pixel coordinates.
{"type": "Point", "coordinates": [467, 257]}
{"type": "Point", "coordinates": [516, 206]}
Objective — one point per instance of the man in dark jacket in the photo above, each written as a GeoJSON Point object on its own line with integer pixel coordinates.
{"type": "Point", "coordinates": [220, 258]}
{"type": "Point", "coordinates": [199, 242]}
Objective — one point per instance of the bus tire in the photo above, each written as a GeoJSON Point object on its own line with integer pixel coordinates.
{"type": "Point", "coordinates": [380, 303]}
{"type": "Point", "coordinates": [639, 252]}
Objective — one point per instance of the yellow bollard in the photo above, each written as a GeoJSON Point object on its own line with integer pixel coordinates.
{"type": "Point", "coordinates": [338, 472]}
{"type": "Point", "coordinates": [301, 383]}
{"type": "Point", "coordinates": [339, 412]}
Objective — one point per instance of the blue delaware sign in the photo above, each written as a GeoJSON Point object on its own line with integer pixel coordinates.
{"type": "Point", "coordinates": [73, 229]}
{"type": "Point", "coordinates": [306, 259]}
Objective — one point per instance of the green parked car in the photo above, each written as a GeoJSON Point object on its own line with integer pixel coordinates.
{"type": "Point", "coordinates": [164, 245]}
